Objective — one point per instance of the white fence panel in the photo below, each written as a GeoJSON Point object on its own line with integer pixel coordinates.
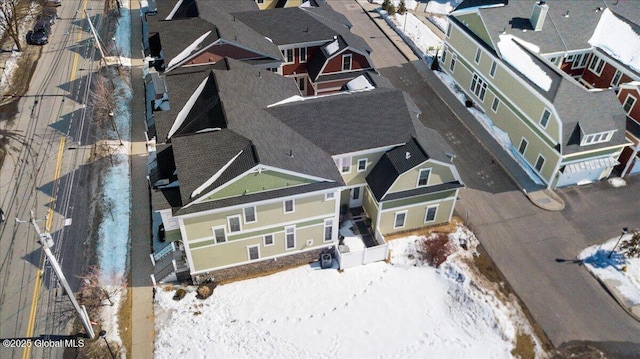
{"type": "Point", "coordinates": [375, 254]}
{"type": "Point", "coordinates": [349, 260]}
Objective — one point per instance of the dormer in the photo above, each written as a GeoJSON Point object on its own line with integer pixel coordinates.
{"type": "Point", "coordinates": [597, 137]}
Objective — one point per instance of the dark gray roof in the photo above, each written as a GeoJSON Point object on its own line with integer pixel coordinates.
{"type": "Point", "coordinates": [559, 33]}
{"type": "Point", "coordinates": [166, 198]}
{"type": "Point", "coordinates": [320, 9]}
{"type": "Point", "coordinates": [431, 142]}
{"type": "Point", "coordinates": [350, 121]}
{"type": "Point", "coordinates": [448, 186]}
{"type": "Point", "coordinates": [593, 112]}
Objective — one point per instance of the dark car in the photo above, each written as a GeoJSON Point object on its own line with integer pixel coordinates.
{"type": "Point", "coordinates": [40, 33]}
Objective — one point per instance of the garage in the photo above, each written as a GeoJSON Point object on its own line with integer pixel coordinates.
{"type": "Point", "coordinates": [585, 171]}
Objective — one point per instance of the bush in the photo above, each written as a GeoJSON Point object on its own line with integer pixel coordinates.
{"type": "Point", "coordinates": [402, 8]}
{"type": "Point", "coordinates": [631, 246]}
{"type": "Point", "coordinates": [180, 293]}
{"type": "Point", "coordinates": [388, 6]}
{"type": "Point", "coordinates": [205, 290]}
{"type": "Point", "coordinates": [435, 249]}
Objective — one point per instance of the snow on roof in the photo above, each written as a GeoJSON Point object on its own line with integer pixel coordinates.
{"type": "Point", "coordinates": [359, 83]}
{"type": "Point", "coordinates": [617, 39]}
{"type": "Point", "coordinates": [182, 115]}
{"type": "Point", "coordinates": [174, 10]}
{"type": "Point", "coordinates": [188, 51]}
{"type": "Point", "coordinates": [522, 61]}
{"type": "Point", "coordinates": [332, 47]}
{"type": "Point", "coordinates": [294, 98]}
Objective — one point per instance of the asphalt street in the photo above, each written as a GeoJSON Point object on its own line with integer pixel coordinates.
{"type": "Point", "coordinates": [533, 248]}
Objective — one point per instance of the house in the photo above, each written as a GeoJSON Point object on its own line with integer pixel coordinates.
{"type": "Point", "coordinates": [628, 95]}
{"type": "Point", "coordinates": [250, 176]}
{"type": "Point", "coordinates": [550, 87]}
{"type": "Point", "coordinates": [272, 4]}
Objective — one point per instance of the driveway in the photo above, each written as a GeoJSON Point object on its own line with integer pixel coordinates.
{"type": "Point", "coordinates": [528, 244]}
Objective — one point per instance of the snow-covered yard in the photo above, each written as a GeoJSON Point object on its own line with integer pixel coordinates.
{"type": "Point", "coordinates": [404, 308]}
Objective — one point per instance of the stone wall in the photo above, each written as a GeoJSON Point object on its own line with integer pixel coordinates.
{"type": "Point", "coordinates": [262, 267]}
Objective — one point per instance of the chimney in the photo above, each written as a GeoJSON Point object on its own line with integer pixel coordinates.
{"type": "Point", "coordinates": [538, 15]}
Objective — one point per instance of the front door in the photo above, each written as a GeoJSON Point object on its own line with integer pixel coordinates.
{"type": "Point", "coordinates": [355, 198]}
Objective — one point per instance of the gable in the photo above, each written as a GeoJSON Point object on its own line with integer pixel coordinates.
{"type": "Point", "coordinates": [408, 180]}
{"type": "Point", "coordinates": [258, 181]}
{"type": "Point", "coordinates": [473, 21]}
{"type": "Point", "coordinates": [218, 51]}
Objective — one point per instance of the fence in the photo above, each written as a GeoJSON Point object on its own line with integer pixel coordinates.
{"type": "Point", "coordinates": [365, 256]}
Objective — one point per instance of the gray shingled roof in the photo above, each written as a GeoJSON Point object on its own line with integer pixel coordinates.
{"type": "Point", "coordinates": [320, 9]}
{"type": "Point", "coordinates": [350, 121]}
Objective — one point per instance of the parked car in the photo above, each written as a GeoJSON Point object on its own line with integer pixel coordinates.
{"type": "Point", "coordinates": [40, 33]}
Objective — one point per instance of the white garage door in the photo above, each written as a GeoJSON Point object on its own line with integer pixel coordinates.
{"type": "Point", "coordinates": [585, 171]}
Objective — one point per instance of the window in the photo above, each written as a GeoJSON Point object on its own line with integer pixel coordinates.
{"type": "Point", "coordinates": [583, 63]}
{"type": "Point", "coordinates": [267, 240]}
{"type": "Point", "coordinates": [596, 137]}
{"type": "Point", "coordinates": [616, 78]}
{"type": "Point", "coordinates": [328, 230]}
{"type": "Point", "coordinates": [443, 58]}
{"type": "Point", "coordinates": [288, 56]}
{"type": "Point", "coordinates": [478, 56]}
{"type": "Point", "coordinates": [478, 87]}
{"type": "Point", "coordinates": [346, 62]}
{"type": "Point", "coordinates": [355, 193]}
{"type": "Point", "coordinates": [553, 60]}
{"type": "Point", "coordinates": [628, 104]}
{"type": "Point", "coordinates": [289, 206]}
{"type": "Point", "coordinates": [423, 177]}
{"type": "Point", "coordinates": [344, 164]}
{"type": "Point", "coordinates": [249, 214]}
{"type": "Point", "coordinates": [539, 163]}
{"type": "Point", "coordinates": [570, 58]}
{"type": "Point", "coordinates": [523, 146]}
{"type": "Point", "coordinates": [290, 237]}
{"type": "Point", "coordinates": [234, 224]}
{"type": "Point", "coordinates": [596, 65]}
{"type": "Point", "coordinates": [253, 252]}
{"type": "Point", "coordinates": [579, 61]}
{"type": "Point", "coordinates": [588, 139]}
{"type": "Point", "coordinates": [362, 165]}
{"type": "Point", "coordinates": [303, 55]}
{"type": "Point", "coordinates": [430, 214]}
{"type": "Point", "coordinates": [544, 120]}
{"type": "Point", "coordinates": [492, 70]}
{"type": "Point", "coordinates": [219, 234]}
{"type": "Point", "coordinates": [449, 30]}
{"type": "Point", "coordinates": [330, 195]}
{"type": "Point", "coordinates": [260, 1]}
{"type": "Point", "coordinates": [452, 65]}
{"type": "Point", "coordinates": [302, 84]}
{"type": "Point", "coordinates": [399, 220]}
{"type": "Point", "coordinates": [495, 104]}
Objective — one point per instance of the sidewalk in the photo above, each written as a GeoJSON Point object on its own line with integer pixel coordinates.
{"type": "Point", "coordinates": [538, 195]}
{"type": "Point", "coordinates": [142, 320]}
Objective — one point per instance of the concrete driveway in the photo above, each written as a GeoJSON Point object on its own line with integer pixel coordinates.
{"type": "Point", "coordinates": [533, 248]}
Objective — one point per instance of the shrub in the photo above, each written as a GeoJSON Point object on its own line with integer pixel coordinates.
{"type": "Point", "coordinates": [205, 290]}
{"type": "Point", "coordinates": [388, 6]}
{"type": "Point", "coordinates": [180, 293]}
{"type": "Point", "coordinates": [435, 249]}
{"type": "Point", "coordinates": [402, 8]}
{"type": "Point", "coordinates": [631, 246]}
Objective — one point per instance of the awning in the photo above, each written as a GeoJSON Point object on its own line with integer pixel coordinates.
{"type": "Point", "coordinates": [590, 165]}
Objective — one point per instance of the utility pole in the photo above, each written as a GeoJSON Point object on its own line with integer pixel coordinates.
{"type": "Point", "coordinates": [46, 242]}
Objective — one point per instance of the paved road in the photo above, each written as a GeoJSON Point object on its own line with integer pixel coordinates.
{"type": "Point", "coordinates": [523, 240]}
{"type": "Point", "coordinates": [45, 173]}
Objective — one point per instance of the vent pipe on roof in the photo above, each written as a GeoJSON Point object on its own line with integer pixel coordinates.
{"type": "Point", "coordinates": [538, 14]}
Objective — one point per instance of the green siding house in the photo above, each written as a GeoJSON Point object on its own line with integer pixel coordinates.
{"type": "Point", "coordinates": [524, 64]}
{"type": "Point", "coordinates": [248, 176]}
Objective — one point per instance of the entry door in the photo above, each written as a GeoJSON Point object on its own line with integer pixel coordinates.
{"type": "Point", "coordinates": [355, 198]}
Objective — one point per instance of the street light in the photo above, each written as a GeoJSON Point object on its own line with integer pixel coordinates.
{"type": "Point", "coordinates": [103, 335]}
{"type": "Point", "coordinates": [625, 230]}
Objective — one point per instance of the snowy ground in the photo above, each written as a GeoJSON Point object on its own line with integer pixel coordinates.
{"type": "Point", "coordinates": [618, 268]}
{"type": "Point", "coordinates": [352, 241]}
{"type": "Point", "coordinates": [402, 309]}
{"type": "Point", "coordinates": [414, 32]}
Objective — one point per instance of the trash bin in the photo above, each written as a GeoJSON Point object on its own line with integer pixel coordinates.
{"type": "Point", "coordinates": [326, 260]}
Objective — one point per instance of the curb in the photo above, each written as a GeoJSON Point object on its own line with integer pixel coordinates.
{"type": "Point", "coordinates": [633, 311]}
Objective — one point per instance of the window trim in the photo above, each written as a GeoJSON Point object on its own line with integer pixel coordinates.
{"type": "Point", "coordinates": [300, 58]}
{"type": "Point", "coordinates": [404, 219]}
{"type": "Point", "coordinates": [365, 164]}
{"type": "Point", "coordinates": [329, 196]}
{"type": "Point", "coordinates": [542, 117]}
{"type": "Point", "coordinates": [615, 82]}
{"type": "Point", "coordinates": [293, 206]}
{"type": "Point", "coordinates": [341, 166]}
{"type": "Point", "coordinates": [633, 103]}
{"type": "Point", "coordinates": [544, 160]}
{"type": "Point", "coordinates": [478, 83]}
{"type": "Point", "coordinates": [435, 214]}
{"type": "Point", "coordinates": [478, 56]}
{"type": "Point", "coordinates": [328, 223]}
{"type": "Point", "coordinates": [285, 55]}
{"type": "Point", "coordinates": [257, 246]}
{"type": "Point", "coordinates": [526, 145]}
{"type": "Point", "coordinates": [286, 239]}
{"type": "Point", "coordinates": [239, 223]}
{"type": "Point", "coordinates": [215, 238]}
{"type": "Point", "coordinates": [452, 64]}
{"type": "Point", "coordinates": [255, 214]}
{"type": "Point", "coordinates": [596, 65]}
{"type": "Point", "coordinates": [350, 57]}
{"type": "Point", "coordinates": [448, 32]}
{"type": "Point", "coordinates": [493, 69]}
{"type": "Point", "coordinates": [443, 58]}
{"type": "Point", "coordinates": [264, 239]}
{"type": "Point", "coordinates": [418, 185]}
{"type": "Point", "coordinates": [495, 104]}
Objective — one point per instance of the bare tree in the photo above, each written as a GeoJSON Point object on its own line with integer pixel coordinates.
{"type": "Point", "coordinates": [104, 103]}
{"type": "Point", "coordinates": [10, 18]}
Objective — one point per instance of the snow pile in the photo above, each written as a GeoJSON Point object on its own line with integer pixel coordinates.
{"type": "Point", "coordinates": [359, 83]}
{"type": "Point", "coordinates": [443, 7]}
{"type": "Point", "coordinates": [521, 60]}
{"type": "Point", "coordinates": [617, 182]}
{"type": "Point", "coordinates": [624, 46]}
{"type": "Point", "coordinates": [414, 33]}
{"type": "Point", "coordinates": [402, 309]}
{"type": "Point", "coordinates": [352, 241]}
{"type": "Point", "coordinates": [499, 135]}
{"type": "Point", "coordinates": [621, 272]}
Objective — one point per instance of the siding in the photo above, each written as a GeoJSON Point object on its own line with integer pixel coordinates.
{"type": "Point", "coordinates": [235, 252]}
{"type": "Point", "coordinates": [268, 215]}
{"type": "Point", "coordinates": [409, 180]}
{"type": "Point", "coordinates": [357, 62]}
{"type": "Point", "coordinates": [415, 216]}
{"type": "Point", "coordinates": [217, 52]}
{"type": "Point", "coordinates": [258, 182]}
{"type": "Point", "coordinates": [357, 178]}
{"type": "Point", "coordinates": [370, 206]}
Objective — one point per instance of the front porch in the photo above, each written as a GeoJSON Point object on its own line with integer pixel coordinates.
{"type": "Point", "coordinates": [358, 243]}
